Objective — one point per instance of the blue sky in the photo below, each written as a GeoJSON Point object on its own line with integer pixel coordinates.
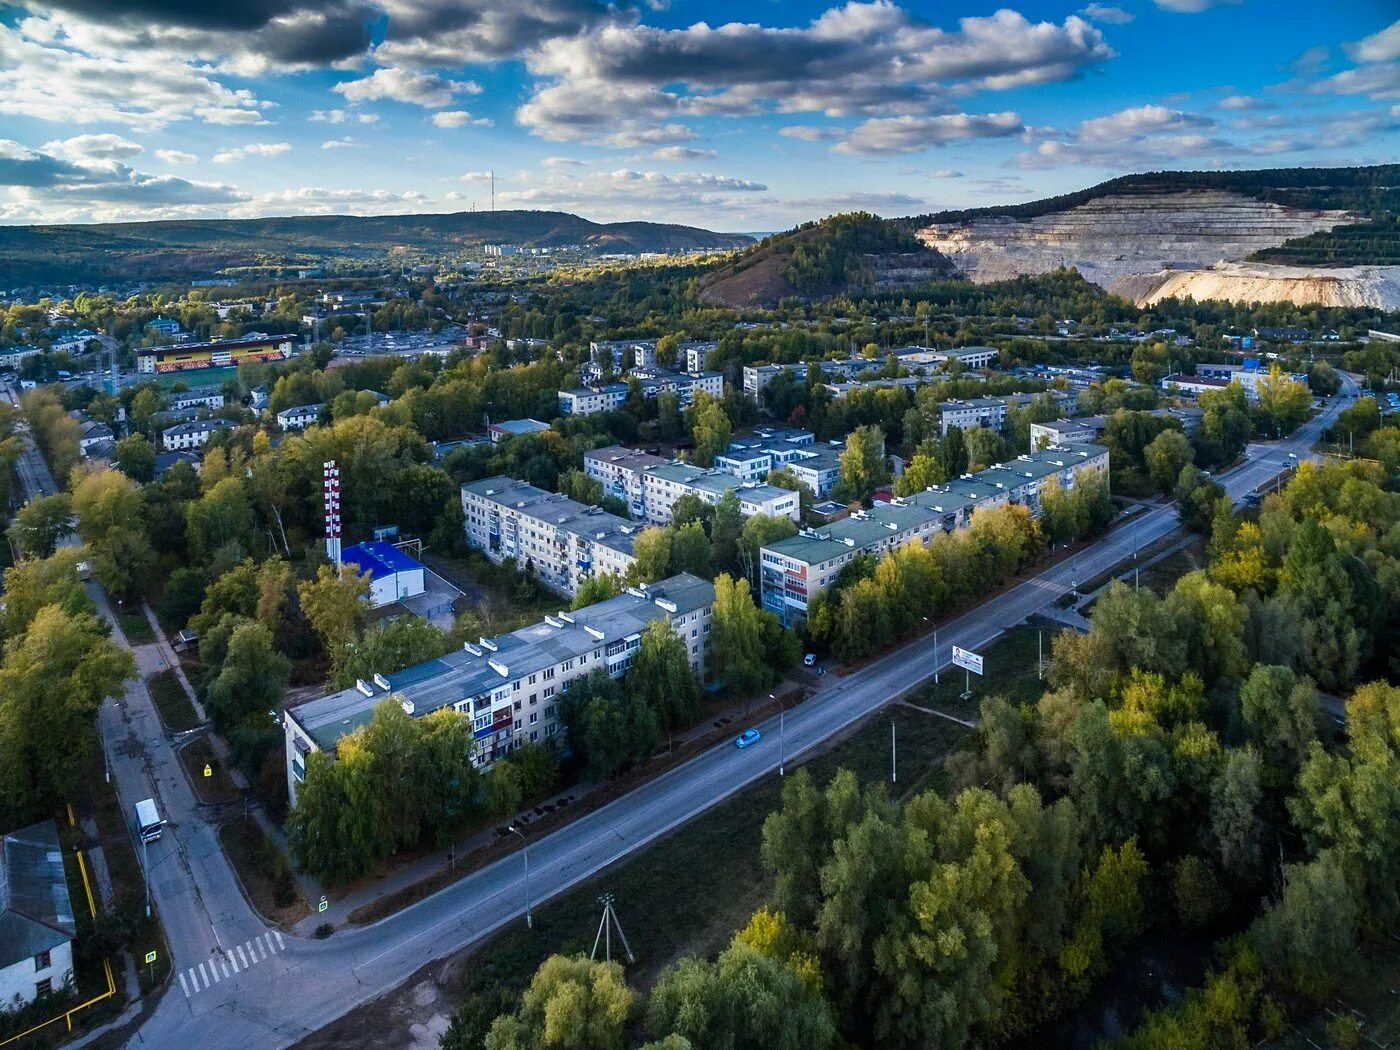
{"type": "Point", "coordinates": [735, 116]}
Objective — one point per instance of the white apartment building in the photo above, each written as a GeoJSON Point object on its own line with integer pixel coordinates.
{"type": "Point", "coordinates": [795, 570]}
{"type": "Point", "coordinates": [697, 354]}
{"type": "Point", "coordinates": [622, 472]}
{"type": "Point", "coordinates": [210, 399]}
{"type": "Point", "coordinates": [299, 417]}
{"type": "Point", "coordinates": [608, 397]}
{"type": "Point", "coordinates": [559, 539]}
{"type": "Point", "coordinates": [509, 685]}
{"type": "Point", "coordinates": [194, 434]}
{"type": "Point", "coordinates": [651, 485]}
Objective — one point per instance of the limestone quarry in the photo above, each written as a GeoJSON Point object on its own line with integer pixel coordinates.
{"type": "Point", "coordinates": [1149, 246]}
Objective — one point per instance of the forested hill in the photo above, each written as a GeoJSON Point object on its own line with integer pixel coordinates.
{"type": "Point", "coordinates": [1373, 190]}
{"type": "Point", "coordinates": [199, 247]}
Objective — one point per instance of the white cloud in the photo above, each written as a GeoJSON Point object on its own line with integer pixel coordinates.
{"type": "Point", "coordinates": [909, 134]}
{"type": "Point", "coordinates": [341, 116]}
{"type": "Point", "coordinates": [401, 85]}
{"type": "Point", "coordinates": [623, 85]}
{"type": "Point", "coordinates": [1108, 15]}
{"type": "Point", "coordinates": [1193, 7]}
{"type": "Point", "coordinates": [946, 173]}
{"type": "Point", "coordinates": [1238, 102]}
{"type": "Point", "coordinates": [563, 163]}
{"type": "Point", "coordinates": [253, 149]}
{"type": "Point", "coordinates": [313, 200]}
{"type": "Point", "coordinates": [459, 118]}
{"type": "Point", "coordinates": [808, 133]}
{"type": "Point", "coordinates": [680, 154]}
{"type": "Point", "coordinates": [47, 75]}
{"type": "Point", "coordinates": [93, 147]}
{"type": "Point", "coordinates": [1378, 47]}
{"type": "Point", "coordinates": [176, 156]}
{"type": "Point", "coordinates": [474, 176]}
{"type": "Point", "coordinates": [343, 143]}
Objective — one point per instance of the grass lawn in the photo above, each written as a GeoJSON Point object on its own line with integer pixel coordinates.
{"type": "Point", "coordinates": [197, 756]}
{"type": "Point", "coordinates": [172, 703]}
{"type": "Point", "coordinates": [667, 908]}
{"type": "Point", "coordinates": [135, 626]}
{"type": "Point", "coordinates": [1162, 576]}
{"type": "Point", "coordinates": [263, 871]}
{"type": "Point", "coordinates": [1010, 665]}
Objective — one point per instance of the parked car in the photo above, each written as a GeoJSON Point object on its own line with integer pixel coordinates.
{"type": "Point", "coordinates": [747, 738]}
{"type": "Point", "coordinates": [809, 660]}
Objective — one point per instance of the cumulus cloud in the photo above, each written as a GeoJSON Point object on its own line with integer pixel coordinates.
{"type": "Point", "coordinates": [680, 154]}
{"type": "Point", "coordinates": [1108, 15]}
{"type": "Point", "coordinates": [48, 74]}
{"type": "Point", "coordinates": [474, 176]}
{"type": "Point", "coordinates": [176, 156]}
{"type": "Point", "coordinates": [459, 118]}
{"type": "Point", "coordinates": [1378, 47]}
{"type": "Point", "coordinates": [313, 200]}
{"type": "Point", "coordinates": [865, 59]}
{"type": "Point", "coordinates": [40, 184]}
{"type": "Point", "coordinates": [403, 85]}
{"type": "Point", "coordinates": [253, 149]}
{"type": "Point", "coordinates": [881, 203]}
{"type": "Point", "coordinates": [909, 134]}
{"type": "Point", "coordinates": [624, 192]}
{"type": "Point", "coordinates": [342, 143]}
{"type": "Point", "coordinates": [93, 147]}
{"type": "Point", "coordinates": [808, 133]}
{"type": "Point", "coordinates": [1238, 102]}
{"type": "Point", "coordinates": [341, 116]}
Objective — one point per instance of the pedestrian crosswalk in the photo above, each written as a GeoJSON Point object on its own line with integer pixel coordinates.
{"type": "Point", "coordinates": [233, 961]}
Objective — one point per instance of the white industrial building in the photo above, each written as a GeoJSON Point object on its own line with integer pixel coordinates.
{"type": "Point", "coordinates": [37, 926]}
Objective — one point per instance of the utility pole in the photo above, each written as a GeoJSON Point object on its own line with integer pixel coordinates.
{"type": "Point", "coordinates": [894, 769]}
{"type": "Point", "coordinates": [1040, 655]}
{"type": "Point", "coordinates": [146, 875]}
{"type": "Point", "coordinates": [529, 918]}
{"type": "Point", "coordinates": [605, 929]}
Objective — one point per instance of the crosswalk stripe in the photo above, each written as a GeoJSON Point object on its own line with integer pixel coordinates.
{"type": "Point", "coordinates": [238, 950]}
{"type": "Point", "coordinates": [223, 965]}
{"type": "Point", "coordinates": [271, 948]}
{"type": "Point", "coordinates": [262, 952]}
{"type": "Point", "coordinates": [204, 975]}
{"type": "Point", "coordinates": [252, 955]}
{"type": "Point", "coordinates": [233, 961]}
{"type": "Point", "coordinates": [278, 935]}
{"type": "Point", "coordinates": [214, 971]}
{"type": "Point", "coordinates": [183, 985]}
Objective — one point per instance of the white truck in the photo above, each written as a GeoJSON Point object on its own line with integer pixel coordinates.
{"type": "Point", "coordinates": [148, 820]}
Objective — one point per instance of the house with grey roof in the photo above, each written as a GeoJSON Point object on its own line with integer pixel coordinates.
{"type": "Point", "coordinates": [37, 926]}
{"type": "Point", "coordinates": [509, 685]}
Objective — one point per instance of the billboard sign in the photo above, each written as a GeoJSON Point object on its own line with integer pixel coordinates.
{"type": "Point", "coordinates": [967, 659]}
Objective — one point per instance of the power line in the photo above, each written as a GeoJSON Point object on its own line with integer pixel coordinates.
{"type": "Point", "coordinates": [605, 928]}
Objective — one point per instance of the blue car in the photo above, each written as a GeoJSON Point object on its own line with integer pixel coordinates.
{"type": "Point", "coordinates": [746, 738]}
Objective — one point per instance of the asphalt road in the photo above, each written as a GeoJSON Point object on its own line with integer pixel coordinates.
{"type": "Point", "coordinates": [239, 984]}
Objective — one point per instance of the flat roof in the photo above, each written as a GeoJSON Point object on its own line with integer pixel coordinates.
{"type": "Point", "coordinates": [462, 674]}
{"type": "Point", "coordinates": [379, 559]}
{"type": "Point", "coordinates": [632, 458]}
{"type": "Point", "coordinates": [227, 344]}
{"type": "Point", "coordinates": [863, 529]}
{"type": "Point", "coordinates": [569, 515]}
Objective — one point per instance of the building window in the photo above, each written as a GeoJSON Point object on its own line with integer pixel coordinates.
{"type": "Point", "coordinates": [43, 987]}
{"type": "Point", "coordinates": [42, 961]}
{"type": "Point", "coordinates": [534, 717]}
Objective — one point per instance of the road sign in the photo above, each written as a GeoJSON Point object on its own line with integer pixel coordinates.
{"type": "Point", "coordinates": [208, 770]}
{"type": "Point", "coordinates": [967, 660]}
{"type": "Point", "coordinates": [323, 905]}
{"type": "Point", "coordinates": [150, 957]}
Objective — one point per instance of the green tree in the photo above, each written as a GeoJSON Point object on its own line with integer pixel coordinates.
{"type": "Point", "coordinates": [690, 550]}
{"type": "Point", "coordinates": [710, 429]}
{"type": "Point", "coordinates": [651, 551]}
{"type": "Point", "coordinates": [136, 458]}
{"type": "Point", "coordinates": [571, 1004]}
{"type": "Point", "coordinates": [744, 1001]}
{"type": "Point", "coordinates": [1280, 719]}
{"type": "Point", "coordinates": [596, 589]}
{"type": "Point", "coordinates": [385, 648]}
{"type": "Point", "coordinates": [923, 471]}
{"type": "Point", "coordinates": [736, 638]}
{"type": "Point", "coordinates": [53, 680]}
{"type": "Point", "coordinates": [1283, 401]}
{"type": "Point", "coordinates": [41, 523]}
{"type": "Point", "coordinates": [725, 530]}
{"type": "Point", "coordinates": [863, 464]}
{"type": "Point", "coordinates": [1166, 456]}
{"type": "Point", "coordinates": [610, 727]}
{"type": "Point", "coordinates": [1310, 936]}
{"type": "Point", "coordinates": [660, 675]}
{"type": "Point", "coordinates": [952, 453]}
{"type": "Point", "coordinates": [761, 530]}
{"type": "Point", "coordinates": [1234, 817]}
{"type": "Point", "coordinates": [984, 447]}
{"type": "Point", "coordinates": [37, 583]}
{"type": "Point", "coordinates": [335, 603]}
{"type": "Point", "coordinates": [222, 516]}
{"type": "Point", "coordinates": [251, 680]}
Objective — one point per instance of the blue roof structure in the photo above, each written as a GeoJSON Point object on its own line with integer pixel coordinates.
{"type": "Point", "coordinates": [379, 559]}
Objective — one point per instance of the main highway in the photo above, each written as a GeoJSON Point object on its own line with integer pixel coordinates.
{"type": "Point", "coordinates": [240, 984]}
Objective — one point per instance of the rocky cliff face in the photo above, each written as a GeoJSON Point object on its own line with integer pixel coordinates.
{"type": "Point", "coordinates": [1154, 245]}
{"type": "Point", "coordinates": [1376, 286]}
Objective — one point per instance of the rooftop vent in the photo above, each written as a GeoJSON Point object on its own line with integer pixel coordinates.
{"type": "Point", "coordinates": [381, 681]}
{"type": "Point", "coordinates": [364, 687]}
{"type": "Point", "coordinates": [486, 643]}
{"type": "Point", "coordinates": [406, 704]}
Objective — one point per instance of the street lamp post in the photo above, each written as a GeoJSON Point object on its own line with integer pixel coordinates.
{"type": "Point", "coordinates": [782, 735]}
{"type": "Point", "coordinates": [529, 918]}
{"type": "Point", "coordinates": [146, 875]}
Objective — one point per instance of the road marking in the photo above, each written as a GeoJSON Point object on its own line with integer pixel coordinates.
{"type": "Point", "coordinates": [262, 952]}
{"type": "Point", "coordinates": [238, 949]}
{"type": "Point", "coordinates": [233, 961]}
{"type": "Point", "coordinates": [183, 985]}
{"type": "Point", "coordinates": [278, 935]}
{"type": "Point", "coordinates": [204, 975]}
{"type": "Point", "coordinates": [237, 959]}
{"type": "Point", "coordinates": [214, 971]}
{"type": "Point", "coordinates": [223, 965]}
